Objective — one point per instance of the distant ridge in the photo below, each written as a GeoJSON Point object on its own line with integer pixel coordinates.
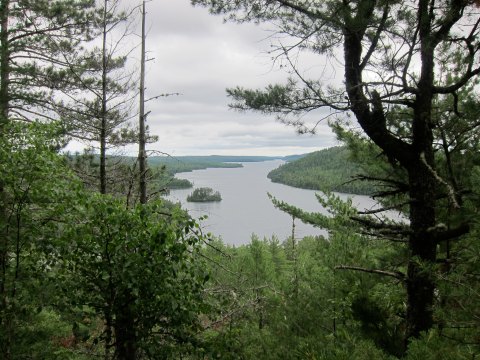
{"type": "Point", "coordinates": [200, 158]}
{"type": "Point", "coordinates": [221, 158]}
{"type": "Point", "coordinates": [177, 164]}
{"type": "Point", "coordinates": [210, 158]}
{"type": "Point", "coordinates": [289, 158]}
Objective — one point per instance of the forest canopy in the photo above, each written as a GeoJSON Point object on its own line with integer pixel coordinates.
{"type": "Point", "coordinates": [328, 170]}
{"type": "Point", "coordinates": [95, 263]}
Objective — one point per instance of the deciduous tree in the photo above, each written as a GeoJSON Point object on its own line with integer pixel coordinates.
{"type": "Point", "coordinates": [139, 270]}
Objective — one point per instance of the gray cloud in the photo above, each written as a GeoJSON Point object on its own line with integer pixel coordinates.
{"type": "Point", "coordinates": [199, 56]}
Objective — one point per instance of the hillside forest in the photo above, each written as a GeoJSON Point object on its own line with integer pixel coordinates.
{"type": "Point", "coordinates": [325, 170]}
{"type": "Point", "coordinates": [96, 264]}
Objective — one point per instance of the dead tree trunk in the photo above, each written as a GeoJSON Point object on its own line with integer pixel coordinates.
{"type": "Point", "coordinates": [103, 114]}
{"type": "Point", "coordinates": [142, 157]}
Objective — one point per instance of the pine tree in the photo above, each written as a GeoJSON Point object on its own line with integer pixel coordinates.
{"type": "Point", "coordinates": [99, 114]}
{"type": "Point", "coordinates": [39, 41]}
{"type": "Point", "coordinates": [391, 51]}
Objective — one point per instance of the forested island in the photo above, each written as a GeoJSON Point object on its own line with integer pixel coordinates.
{"type": "Point", "coordinates": [204, 194]}
{"type": "Point", "coordinates": [95, 263]}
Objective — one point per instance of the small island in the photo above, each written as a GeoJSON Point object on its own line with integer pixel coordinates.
{"type": "Point", "coordinates": [204, 194]}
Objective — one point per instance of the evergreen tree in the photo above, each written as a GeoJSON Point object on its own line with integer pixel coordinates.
{"type": "Point", "coordinates": [391, 53]}
{"type": "Point", "coordinates": [39, 40]}
{"type": "Point", "coordinates": [100, 114]}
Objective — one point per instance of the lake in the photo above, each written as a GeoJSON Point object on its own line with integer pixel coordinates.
{"type": "Point", "coordinates": [245, 208]}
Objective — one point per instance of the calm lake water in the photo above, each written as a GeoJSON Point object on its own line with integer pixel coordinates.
{"type": "Point", "coordinates": [245, 208]}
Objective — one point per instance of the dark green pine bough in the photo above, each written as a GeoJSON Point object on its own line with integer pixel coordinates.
{"type": "Point", "coordinates": [409, 75]}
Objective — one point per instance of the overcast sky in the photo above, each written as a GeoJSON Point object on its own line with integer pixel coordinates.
{"type": "Point", "coordinates": [198, 55]}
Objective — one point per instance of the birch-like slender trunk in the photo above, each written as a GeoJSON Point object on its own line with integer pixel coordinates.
{"type": "Point", "coordinates": [142, 157]}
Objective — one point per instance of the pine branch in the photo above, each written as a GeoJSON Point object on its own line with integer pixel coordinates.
{"type": "Point", "coordinates": [394, 183]}
{"type": "Point", "coordinates": [382, 236]}
{"type": "Point", "coordinates": [449, 234]}
{"type": "Point", "coordinates": [163, 95]}
{"type": "Point", "coordinates": [395, 274]}
{"type": "Point", "coordinates": [383, 209]}
{"type": "Point", "coordinates": [372, 224]}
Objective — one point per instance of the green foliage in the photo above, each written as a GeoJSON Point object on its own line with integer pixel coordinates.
{"type": "Point", "coordinates": [47, 36]}
{"type": "Point", "coordinates": [37, 190]}
{"type": "Point", "coordinates": [48, 336]}
{"type": "Point", "coordinates": [329, 170]}
{"type": "Point", "coordinates": [141, 260]}
{"type": "Point", "coordinates": [178, 183]}
{"type": "Point", "coordinates": [287, 300]}
{"type": "Point", "coordinates": [434, 345]}
{"type": "Point", "coordinates": [204, 194]}
{"type": "Point", "coordinates": [363, 294]}
{"type": "Point", "coordinates": [81, 270]}
{"type": "Point", "coordinates": [75, 261]}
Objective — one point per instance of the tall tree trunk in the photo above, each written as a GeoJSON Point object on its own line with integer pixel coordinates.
{"type": "Point", "coordinates": [103, 170]}
{"type": "Point", "coordinates": [422, 246]}
{"type": "Point", "coordinates": [125, 336]}
{"type": "Point", "coordinates": [4, 120]}
{"type": "Point", "coordinates": [142, 157]}
{"type": "Point", "coordinates": [125, 327]}
{"type": "Point", "coordinates": [422, 251]}
{"type": "Point", "coordinates": [103, 115]}
{"type": "Point", "coordinates": [108, 332]}
{"type": "Point", "coordinates": [4, 64]}
{"type": "Point", "coordinates": [417, 158]}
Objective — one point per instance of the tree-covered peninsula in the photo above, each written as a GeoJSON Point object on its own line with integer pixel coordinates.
{"type": "Point", "coordinates": [330, 169]}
